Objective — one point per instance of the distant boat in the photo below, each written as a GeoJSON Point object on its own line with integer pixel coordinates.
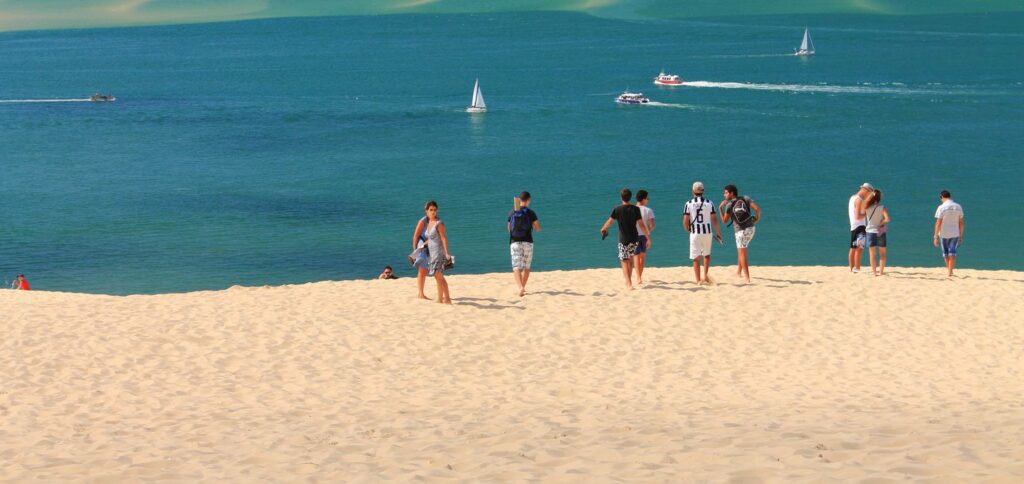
{"type": "Point", "coordinates": [667, 79]}
{"type": "Point", "coordinates": [477, 105]}
{"type": "Point", "coordinates": [102, 98]}
{"type": "Point", "coordinates": [807, 46]}
{"type": "Point", "coordinates": [632, 98]}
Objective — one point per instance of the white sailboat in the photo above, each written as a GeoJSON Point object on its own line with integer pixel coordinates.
{"type": "Point", "coordinates": [807, 46]}
{"type": "Point", "coordinates": [477, 105]}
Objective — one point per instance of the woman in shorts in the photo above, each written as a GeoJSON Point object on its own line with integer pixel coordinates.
{"type": "Point", "coordinates": [877, 217]}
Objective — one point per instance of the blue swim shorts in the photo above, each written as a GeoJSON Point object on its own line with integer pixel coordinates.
{"type": "Point", "coordinates": [949, 246]}
{"type": "Point", "coordinates": [641, 247]}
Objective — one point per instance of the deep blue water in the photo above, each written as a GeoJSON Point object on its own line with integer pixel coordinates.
{"type": "Point", "coordinates": [293, 150]}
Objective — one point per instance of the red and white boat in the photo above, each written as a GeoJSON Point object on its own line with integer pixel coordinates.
{"type": "Point", "coordinates": [668, 79]}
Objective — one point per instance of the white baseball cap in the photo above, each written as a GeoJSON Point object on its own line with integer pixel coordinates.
{"type": "Point", "coordinates": [868, 186]}
{"type": "Point", "coordinates": [698, 187]}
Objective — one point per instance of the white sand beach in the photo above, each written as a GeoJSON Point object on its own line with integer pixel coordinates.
{"type": "Point", "coordinates": [808, 374]}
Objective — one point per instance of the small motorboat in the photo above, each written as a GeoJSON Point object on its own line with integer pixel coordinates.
{"type": "Point", "coordinates": [667, 79]}
{"type": "Point", "coordinates": [102, 98]}
{"type": "Point", "coordinates": [632, 98]}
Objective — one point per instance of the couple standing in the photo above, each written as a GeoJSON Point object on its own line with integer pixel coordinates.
{"type": "Point", "coordinates": [869, 223]}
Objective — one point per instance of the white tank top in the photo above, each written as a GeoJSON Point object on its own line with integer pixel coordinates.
{"type": "Point", "coordinates": [856, 219]}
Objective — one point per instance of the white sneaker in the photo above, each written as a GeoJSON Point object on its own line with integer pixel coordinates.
{"type": "Point", "coordinates": [855, 270]}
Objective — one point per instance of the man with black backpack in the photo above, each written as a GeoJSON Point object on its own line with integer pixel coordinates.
{"type": "Point", "coordinates": [521, 224]}
{"type": "Point", "coordinates": [743, 214]}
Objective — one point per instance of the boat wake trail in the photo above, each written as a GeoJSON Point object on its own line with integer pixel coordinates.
{"type": "Point", "coordinates": [824, 88]}
{"type": "Point", "coordinates": [672, 105]}
{"type": "Point", "coordinates": [741, 56]}
{"type": "Point", "coordinates": [13, 101]}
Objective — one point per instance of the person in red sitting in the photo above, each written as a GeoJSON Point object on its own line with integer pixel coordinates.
{"type": "Point", "coordinates": [21, 283]}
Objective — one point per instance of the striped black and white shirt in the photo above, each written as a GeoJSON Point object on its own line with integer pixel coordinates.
{"type": "Point", "coordinates": [700, 210]}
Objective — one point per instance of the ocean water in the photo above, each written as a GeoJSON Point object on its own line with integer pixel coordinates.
{"type": "Point", "coordinates": [303, 149]}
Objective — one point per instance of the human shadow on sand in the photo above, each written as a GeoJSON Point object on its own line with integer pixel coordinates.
{"type": "Point", "coordinates": [668, 287]}
{"type": "Point", "coordinates": [471, 301]}
{"type": "Point", "coordinates": [787, 281]}
{"type": "Point", "coordinates": [993, 279]}
{"type": "Point", "coordinates": [916, 275]}
{"type": "Point", "coordinates": [563, 292]}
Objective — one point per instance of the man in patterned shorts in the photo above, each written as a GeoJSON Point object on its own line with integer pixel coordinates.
{"type": "Point", "coordinates": [521, 224]}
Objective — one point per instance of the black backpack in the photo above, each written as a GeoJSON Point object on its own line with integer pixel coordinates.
{"type": "Point", "coordinates": [519, 223]}
{"type": "Point", "coordinates": [741, 214]}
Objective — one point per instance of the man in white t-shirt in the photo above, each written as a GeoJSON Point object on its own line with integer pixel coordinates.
{"type": "Point", "coordinates": [698, 219]}
{"type": "Point", "coordinates": [858, 226]}
{"type": "Point", "coordinates": [949, 229]}
{"type": "Point", "coordinates": [646, 218]}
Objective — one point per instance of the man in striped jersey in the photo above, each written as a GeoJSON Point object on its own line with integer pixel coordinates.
{"type": "Point", "coordinates": [698, 219]}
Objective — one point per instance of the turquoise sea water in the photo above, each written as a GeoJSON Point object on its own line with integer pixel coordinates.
{"type": "Point", "coordinates": [294, 150]}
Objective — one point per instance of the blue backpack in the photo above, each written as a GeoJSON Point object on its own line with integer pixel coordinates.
{"type": "Point", "coordinates": [519, 223]}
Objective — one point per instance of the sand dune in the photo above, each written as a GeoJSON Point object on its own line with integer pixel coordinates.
{"type": "Point", "coordinates": [810, 373]}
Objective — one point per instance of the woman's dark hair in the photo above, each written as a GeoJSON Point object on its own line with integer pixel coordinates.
{"type": "Point", "coordinates": [877, 198]}
{"type": "Point", "coordinates": [429, 204]}
{"type": "Point", "coordinates": [732, 190]}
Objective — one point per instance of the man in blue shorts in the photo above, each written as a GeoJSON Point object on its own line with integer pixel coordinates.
{"type": "Point", "coordinates": [949, 229]}
{"type": "Point", "coordinates": [647, 218]}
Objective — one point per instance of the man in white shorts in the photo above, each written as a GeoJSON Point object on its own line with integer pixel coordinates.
{"type": "Point", "coordinates": [743, 214]}
{"type": "Point", "coordinates": [698, 219]}
{"type": "Point", "coordinates": [521, 224]}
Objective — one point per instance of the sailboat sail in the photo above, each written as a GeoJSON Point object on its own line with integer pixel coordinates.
{"type": "Point", "coordinates": [478, 96]}
{"type": "Point", "coordinates": [807, 45]}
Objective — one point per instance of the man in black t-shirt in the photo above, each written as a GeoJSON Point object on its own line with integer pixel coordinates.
{"type": "Point", "coordinates": [521, 224]}
{"type": "Point", "coordinates": [627, 215]}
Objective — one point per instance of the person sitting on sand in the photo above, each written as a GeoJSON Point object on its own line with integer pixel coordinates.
{"type": "Point", "coordinates": [877, 219]}
{"type": "Point", "coordinates": [440, 259]}
{"type": "Point", "coordinates": [521, 224]}
{"type": "Point", "coordinates": [698, 219]}
{"type": "Point", "coordinates": [21, 283]}
{"type": "Point", "coordinates": [627, 215]}
{"type": "Point", "coordinates": [387, 274]}
{"type": "Point", "coordinates": [949, 229]}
